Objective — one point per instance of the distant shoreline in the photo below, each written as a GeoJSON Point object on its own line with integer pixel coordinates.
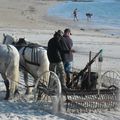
{"type": "Point", "coordinates": [83, 25]}
{"type": "Point", "coordinates": [78, 27]}
{"type": "Point", "coordinates": [34, 15]}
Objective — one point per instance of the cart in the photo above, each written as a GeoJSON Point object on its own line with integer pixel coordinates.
{"type": "Point", "coordinates": [88, 91]}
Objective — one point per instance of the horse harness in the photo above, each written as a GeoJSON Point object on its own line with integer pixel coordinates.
{"type": "Point", "coordinates": [34, 55]}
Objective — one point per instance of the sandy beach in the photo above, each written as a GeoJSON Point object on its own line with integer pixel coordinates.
{"type": "Point", "coordinates": [30, 19]}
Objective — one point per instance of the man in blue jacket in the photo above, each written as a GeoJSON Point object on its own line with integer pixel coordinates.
{"type": "Point", "coordinates": [68, 56]}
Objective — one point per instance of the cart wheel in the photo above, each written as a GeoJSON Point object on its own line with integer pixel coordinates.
{"type": "Point", "coordinates": [111, 79]}
{"type": "Point", "coordinates": [46, 87]}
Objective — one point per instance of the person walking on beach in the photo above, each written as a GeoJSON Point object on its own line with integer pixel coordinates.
{"type": "Point", "coordinates": [68, 56]}
{"type": "Point", "coordinates": [54, 52]}
{"type": "Point", "coordinates": [75, 14]}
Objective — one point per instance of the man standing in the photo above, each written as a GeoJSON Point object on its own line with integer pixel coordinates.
{"type": "Point", "coordinates": [54, 55]}
{"type": "Point", "coordinates": [68, 56]}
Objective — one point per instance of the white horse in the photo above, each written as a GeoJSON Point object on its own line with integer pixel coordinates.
{"type": "Point", "coordinates": [9, 68]}
{"type": "Point", "coordinates": [33, 59]}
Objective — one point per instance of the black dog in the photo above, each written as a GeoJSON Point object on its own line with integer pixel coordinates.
{"type": "Point", "coordinates": [89, 15]}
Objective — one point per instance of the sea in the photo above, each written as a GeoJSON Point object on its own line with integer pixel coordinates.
{"type": "Point", "coordinates": [106, 13]}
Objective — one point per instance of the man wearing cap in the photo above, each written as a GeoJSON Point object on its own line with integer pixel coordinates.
{"type": "Point", "coordinates": [54, 51]}
{"type": "Point", "coordinates": [68, 56]}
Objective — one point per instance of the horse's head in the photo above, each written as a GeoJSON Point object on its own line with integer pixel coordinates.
{"type": "Point", "coordinates": [7, 39]}
{"type": "Point", "coordinates": [20, 43]}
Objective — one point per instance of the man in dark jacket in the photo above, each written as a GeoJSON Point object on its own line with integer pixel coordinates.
{"type": "Point", "coordinates": [55, 50]}
{"type": "Point", "coordinates": [68, 56]}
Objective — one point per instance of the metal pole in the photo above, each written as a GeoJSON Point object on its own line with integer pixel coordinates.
{"type": "Point", "coordinates": [89, 69]}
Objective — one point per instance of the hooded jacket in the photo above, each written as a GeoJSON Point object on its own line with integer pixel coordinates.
{"type": "Point", "coordinates": [56, 49]}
